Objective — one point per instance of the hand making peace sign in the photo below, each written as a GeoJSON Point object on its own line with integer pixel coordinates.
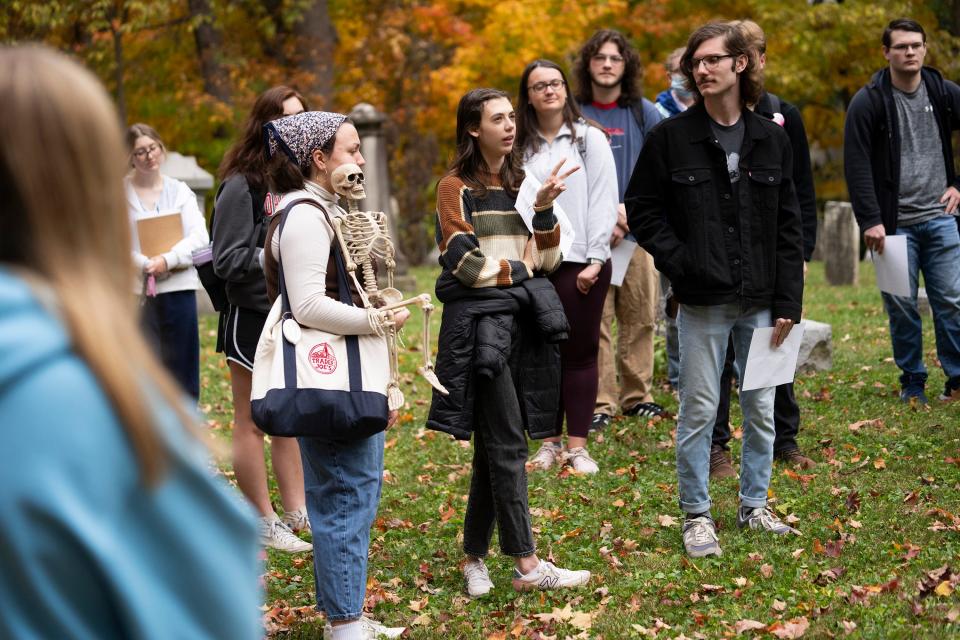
{"type": "Point", "coordinates": [553, 186]}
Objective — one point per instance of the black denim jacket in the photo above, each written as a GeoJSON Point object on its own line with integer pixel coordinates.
{"type": "Point", "coordinates": [714, 247]}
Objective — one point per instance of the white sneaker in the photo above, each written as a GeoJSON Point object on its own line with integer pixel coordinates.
{"type": "Point", "coordinates": [297, 521]}
{"type": "Point", "coordinates": [370, 629]}
{"type": "Point", "coordinates": [276, 535]}
{"type": "Point", "coordinates": [579, 458]}
{"type": "Point", "coordinates": [476, 578]}
{"type": "Point", "coordinates": [549, 576]}
{"type": "Point", "coordinates": [547, 456]}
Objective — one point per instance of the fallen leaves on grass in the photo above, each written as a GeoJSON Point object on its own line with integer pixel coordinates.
{"type": "Point", "coordinates": [829, 575]}
{"type": "Point", "coordinates": [579, 619]}
{"type": "Point", "coordinates": [666, 521]}
{"type": "Point", "coordinates": [743, 626]}
{"type": "Point", "coordinates": [860, 424]}
{"type": "Point", "coordinates": [280, 617]}
{"type": "Point", "coordinates": [793, 629]}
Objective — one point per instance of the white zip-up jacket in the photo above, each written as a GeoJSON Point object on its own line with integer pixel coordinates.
{"type": "Point", "coordinates": [175, 196]}
{"type": "Point", "coordinates": [591, 198]}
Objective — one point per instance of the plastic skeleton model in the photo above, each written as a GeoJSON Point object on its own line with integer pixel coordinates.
{"type": "Point", "coordinates": [363, 237]}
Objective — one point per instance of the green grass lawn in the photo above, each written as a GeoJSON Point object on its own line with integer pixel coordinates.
{"type": "Point", "coordinates": [880, 516]}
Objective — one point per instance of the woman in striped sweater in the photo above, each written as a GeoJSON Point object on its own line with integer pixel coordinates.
{"type": "Point", "coordinates": [485, 244]}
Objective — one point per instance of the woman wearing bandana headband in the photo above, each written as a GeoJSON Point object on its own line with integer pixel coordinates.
{"type": "Point", "coordinates": [343, 479]}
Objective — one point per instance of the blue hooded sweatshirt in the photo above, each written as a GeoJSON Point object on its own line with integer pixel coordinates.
{"type": "Point", "coordinates": [86, 549]}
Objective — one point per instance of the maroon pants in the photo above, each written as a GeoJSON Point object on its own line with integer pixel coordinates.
{"type": "Point", "coordinates": [578, 355]}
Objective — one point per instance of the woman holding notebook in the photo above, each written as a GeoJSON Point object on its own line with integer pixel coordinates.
{"type": "Point", "coordinates": [166, 225]}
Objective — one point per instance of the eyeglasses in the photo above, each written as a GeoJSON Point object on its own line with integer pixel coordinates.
{"type": "Point", "coordinates": [140, 154]}
{"type": "Point", "coordinates": [911, 46]}
{"type": "Point", "coordinates": [710, 62]}
{"type": "Point", "coordinates": [540, 87]}
{"type": "Point", "coordinates": [601, 58]}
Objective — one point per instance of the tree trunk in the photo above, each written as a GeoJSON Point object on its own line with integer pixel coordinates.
{"type": "Point", "coordinates": [318, 41]}
{"type": "Point", "coordinates": [118, 72]}
{"type": "Point", "coordinates": [207, 37]}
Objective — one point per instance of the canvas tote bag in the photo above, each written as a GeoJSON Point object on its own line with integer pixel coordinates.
{"type": "Point", "coordinates": [313, 383]}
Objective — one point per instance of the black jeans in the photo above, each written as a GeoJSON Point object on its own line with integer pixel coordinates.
{"type": "Point", "coordinates": [498, 488]}
{"type": "Point", "coordinates": [786, 412]}
{"type": "Point", "coordinates": [169, 322]}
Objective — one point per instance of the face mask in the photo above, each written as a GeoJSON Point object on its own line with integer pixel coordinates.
{"type": "Point", "coordinates": [678, 84]}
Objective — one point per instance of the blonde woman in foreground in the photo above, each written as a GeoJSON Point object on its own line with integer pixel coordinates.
{"type": "Point", "coordinates": [108, 507]}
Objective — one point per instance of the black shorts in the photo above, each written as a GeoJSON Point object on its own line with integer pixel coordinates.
{"type": "Point", "coordinates": [238, 334]}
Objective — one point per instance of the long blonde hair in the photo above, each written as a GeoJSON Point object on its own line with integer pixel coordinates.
{"type": "Point", "coordinates": [62, 161]}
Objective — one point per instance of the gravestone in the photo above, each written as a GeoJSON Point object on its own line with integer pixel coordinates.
{"type": "Point", "coordinates": [816, 347]}
{"type": "Point", "coordinates": [841, 244]}
{"type": "Point", "coordinates": [200, 182]}
{"type": "Point", "coordinates": [186, 168]}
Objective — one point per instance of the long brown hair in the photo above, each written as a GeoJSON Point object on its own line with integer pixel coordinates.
{"type": "Point", "coordinates": [65, 226]}
{"type": "Point", "coordinates": [247, 156]}
{"type": "Point", "coordinates": [631, 87]}
{"type": "Point", "coordinates": [527, 139]}
{"type": "Point", "coordinates": [736, 43]}
{"type": "Point", "coordinates": [469, 163]}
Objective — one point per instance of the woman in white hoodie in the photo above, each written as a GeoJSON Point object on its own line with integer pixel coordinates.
{"type": "Point", "coordinates": [169, 281]}
{"type": "Point", "coordinates": [549, 129]}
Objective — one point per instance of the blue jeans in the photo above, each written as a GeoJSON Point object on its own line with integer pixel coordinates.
{"type": "Point", "coordinates": [704, 333]}
{"type": "Point", "coordinates": [933, 247]}
{"type": "Point", "coordinates": [342, 481]}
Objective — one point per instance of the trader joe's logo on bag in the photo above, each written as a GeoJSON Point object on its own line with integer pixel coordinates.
{"type": "Point", "coordinates": [322, 358]}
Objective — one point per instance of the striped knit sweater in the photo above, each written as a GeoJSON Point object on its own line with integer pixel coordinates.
{"type": "Point", "coordinates": [482, 240]}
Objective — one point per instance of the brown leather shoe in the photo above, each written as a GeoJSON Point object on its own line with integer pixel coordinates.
{"type": "Point", "coordinates": [795, 458]}
{"type": "Point", "coordinates": [720, 464]}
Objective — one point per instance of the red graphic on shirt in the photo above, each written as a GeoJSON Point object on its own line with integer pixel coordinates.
{"type": "Point", "coordinates": [323, 359]}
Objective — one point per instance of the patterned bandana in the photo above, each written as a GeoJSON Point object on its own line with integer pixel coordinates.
{"type": "Point", "coordinates": [300, 134]}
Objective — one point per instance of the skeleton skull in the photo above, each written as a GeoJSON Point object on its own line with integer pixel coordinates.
{"type": "Point", "coordinates": [347, 180]}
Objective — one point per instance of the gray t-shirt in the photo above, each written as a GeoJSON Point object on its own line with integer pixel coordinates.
{"type": "Point", "coordinates": [731, 140]}
{"type": "Point", "coordinates": [923, 177]}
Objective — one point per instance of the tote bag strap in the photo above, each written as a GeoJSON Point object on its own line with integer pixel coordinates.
{"type": "Point", "coordinates": [352, 342]}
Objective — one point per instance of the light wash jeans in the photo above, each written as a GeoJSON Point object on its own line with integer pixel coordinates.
{"type": "Point", "coordinates": [343, 481]}
{"type": "Point", "coordinates": [704, 332]}
{"type": "Point", "coordinates": [934, 248]}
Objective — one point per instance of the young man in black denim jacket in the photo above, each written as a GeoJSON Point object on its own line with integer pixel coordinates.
{"type": "Point", "coordinates": [712, 199]}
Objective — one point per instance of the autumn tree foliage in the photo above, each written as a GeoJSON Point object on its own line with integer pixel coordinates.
{"type": "Point", "coordinates": [192, 67]}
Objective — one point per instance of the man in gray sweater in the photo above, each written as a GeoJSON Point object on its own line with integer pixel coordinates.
{"type": "Point", "coordinates": [898, 160]}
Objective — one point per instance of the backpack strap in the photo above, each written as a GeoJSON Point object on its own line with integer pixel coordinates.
{"type": "Point", "coordinates": [636, 109]}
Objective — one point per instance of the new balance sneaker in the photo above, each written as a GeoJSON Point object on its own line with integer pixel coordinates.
{"type": "Point", "coordinates": [476, 578]}
{"type": "Point", "coordinates": [297, 521]}
{"type": "Point", "coordinates": [721, 465]}
{"type": "Point", "coordinates": [762, 519]}
{"type": "Point", "coordinates": [370, 629]}
{"type": "Point", "coordinates": [276, 535]}
{"type": "Point", "coordinates": [599, 421]}
{"type": "Point", "coordinates": [580, 461]}
{"type": "Point", "coordinates": [547, 456]}
{"type": "Point", "coordinates": [549, 576]}
{"type": "Point", "coordinates": [700, 537]}
{"type": "Point", "coordinates": [644, 410]}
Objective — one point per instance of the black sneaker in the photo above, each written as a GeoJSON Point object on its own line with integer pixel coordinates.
{"type": "Point", "coordinates": [644, 410]}
{"type": "Point", "coordinates": [600, 420]}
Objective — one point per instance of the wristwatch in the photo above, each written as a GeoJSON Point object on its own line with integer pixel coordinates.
{"type": "Point", "coordinates": [595, 261]}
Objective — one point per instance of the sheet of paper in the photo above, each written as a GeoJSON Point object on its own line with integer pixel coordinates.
{"type": "Point", "coordinates": [526, 196]}
{"type": "Point", "coordinates": [769, 366]}
{"type": "Point", "coordinates": [893, 274]}
{"type": "Point", "coordinates": [620, 256]}
{"type": "Point", "coordinates": [158, 234]}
